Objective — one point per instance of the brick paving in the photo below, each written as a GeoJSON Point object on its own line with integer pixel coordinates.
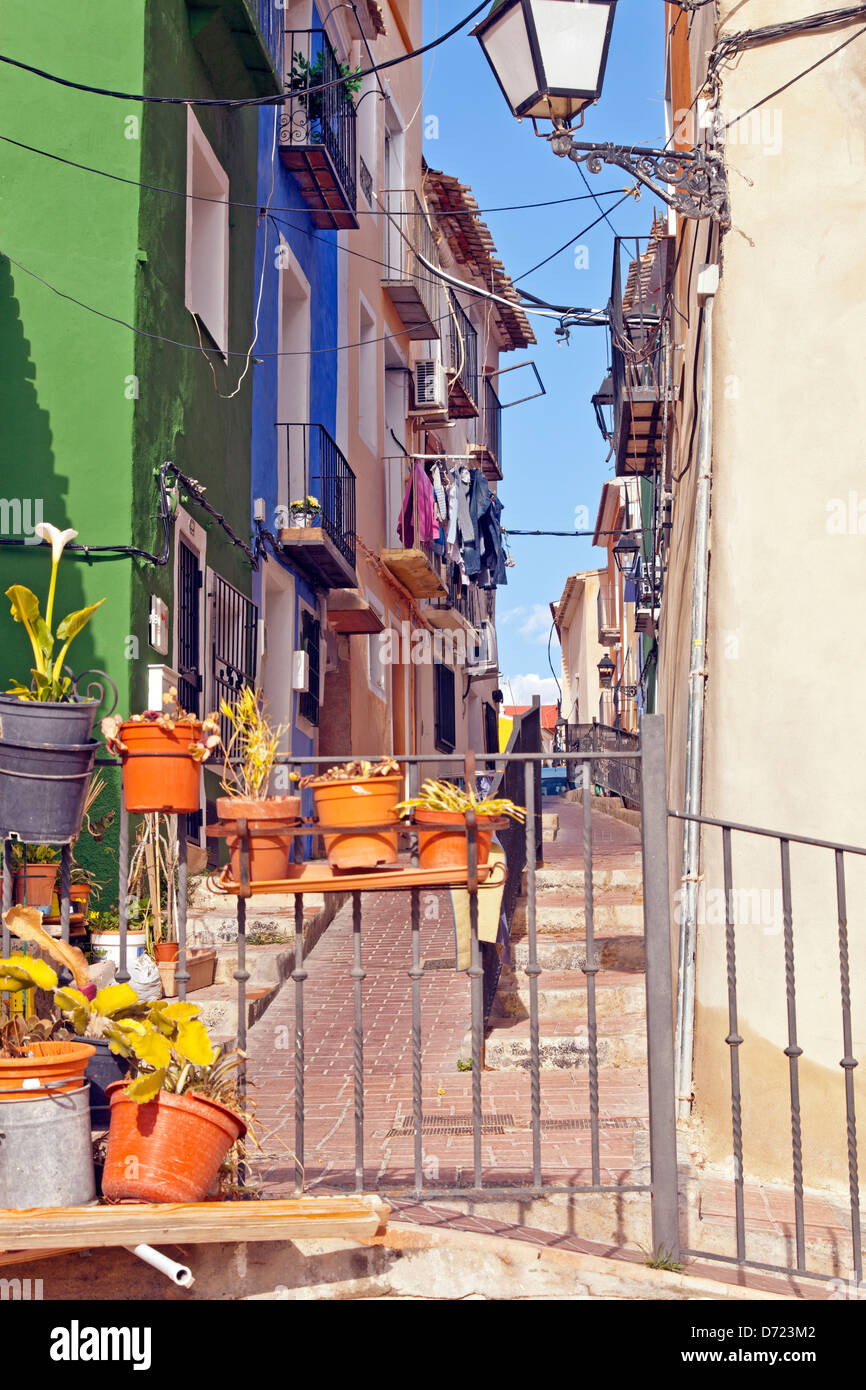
{"type": "Point", "coordinates": [445, 1023]}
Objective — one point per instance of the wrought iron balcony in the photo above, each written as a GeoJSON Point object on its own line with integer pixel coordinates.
{"type": "Point", "coordinates": [488, 433]}
{"type": "Point", "coordinates": [316, 516]}
{"type": "Point", "coordinates": [255, 26]}
{"type": "Point", "coordinates": [413, 290]}
{"type": "Point", "coordinates": [463, 362]}
{"type": "Point", "coordinates": [608, 613]}
{"type": "Point", "coordinates": [318, 130]}
{"type": "Point", "coordinates": [640, 393]}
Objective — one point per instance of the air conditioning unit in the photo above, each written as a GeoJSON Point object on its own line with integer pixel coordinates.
{"type": "Point", "coordinates": [482, 654]}
{"type": "Point", "coordinates": [429, 387]}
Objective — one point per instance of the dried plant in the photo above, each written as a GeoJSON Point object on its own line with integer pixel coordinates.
{"type": "Point", "coordinates": [353, 772]}
{"type": "Point", "coordinates": [252, 747]}
{"type": "Point", "coordinates": [445, 796]}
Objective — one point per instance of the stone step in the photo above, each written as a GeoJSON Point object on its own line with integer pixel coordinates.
{"type": "Point", "coordinates": [564, 1045]}
{"type": "Point", "coordinates": [203, 898]}
{"type": "Point", "coordinates": [219, 1008]}
{"type": "Point", "coordinates": [619, 952]}
{"type": "Point", "coordinates": [563, 994]}
{"type": "Point", "coordinates": [212, 928]}
{"type": "Point", "coordinates": [572, 879]}
{"type": "Point", "coordinates": [555, 915]}
{"type": "Point", "coordinates": [267, 965]}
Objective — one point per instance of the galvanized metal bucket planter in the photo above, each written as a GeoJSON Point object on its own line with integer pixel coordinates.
{"type": "Point", "coordinates": [46, 1156]}
{"type": "Point", "coordinates": [43, 788]}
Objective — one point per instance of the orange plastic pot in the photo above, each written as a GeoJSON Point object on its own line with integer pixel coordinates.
{"type": "Point", "coordinates": [444, 848]}
{"type": "Point", "coordinates": [368, 801]}
{"type": "Point", "coordinates": [51, 1067]}
{"type": "Point", "coordinates": [165, 950]}
{"type": "Point", "coordinates": [34, 885]}
{"type": "Point", "coordinates": [167, 1150]}
{"type": "Point", "coordinates": [269, 853]}
{"type": "Point", "coordinates": [169, 783]}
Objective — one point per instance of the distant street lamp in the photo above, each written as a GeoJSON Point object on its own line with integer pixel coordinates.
{"type": "Point", "coordinates": [626, 551]}
{"type": "Point", "coordinates": [606, 672]}
{"type": "Point", "coordinates": [549, 58]}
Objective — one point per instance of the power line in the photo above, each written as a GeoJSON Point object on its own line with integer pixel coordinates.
{"type": "Point", "coordinates": [572, 238]}
{"type": "Point", "coordinates": [241, 101]}
{"type": "Point", "coordinates": [804, 73]}
{"type": "Point", "coordinates": [257, 207]}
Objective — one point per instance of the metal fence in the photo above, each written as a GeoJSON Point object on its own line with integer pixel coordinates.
{"type": "Point", "coordinates": [326, 119]}
{"type": "Point", "coordinates": [488, 427]}
{"type": "Point", "coordinates": [463, 349]}
{"type": "Point", "coordinates": [269, 15]}
{"type": "Point", "coordinates": [234, 643]}
{"type": "Point", "coordinates": [407, 233]}
{"type": "Point", "coordinates": [315, 467]}
{"type": "Point", "coordinates": [611, 774]}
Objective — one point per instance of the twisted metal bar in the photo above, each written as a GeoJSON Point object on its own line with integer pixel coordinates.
{"type": "Point", "coordinates": [181, 973]}
{"type": "Point", "coordinates": [848, 1063]}
{"type": "Point", "coordinates": [358, 974]}
{"type": "Point", "coordinates": [122, 887]}
{"type": "Point", "coordinates": [241, 975]}
{"type": "Point", "coordinates": [533, 970]}
{"type": "Point", "coordinates": [590, 970]}
{"type": "Point", "coordinates": [793, 1052]}
{"type": "Point", "coordinates": [65, 885]}
{"type": "Point", "coordinates": [734, 1042]}
{"type": "Point", "coordinates": [416, 973]}
{"type": "Point", "coordinates": [299, 975]}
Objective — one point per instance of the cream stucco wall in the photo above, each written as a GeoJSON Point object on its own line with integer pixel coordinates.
{"type": "Point", "coordinates": [782, 741]}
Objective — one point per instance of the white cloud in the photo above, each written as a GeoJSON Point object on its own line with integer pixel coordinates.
{"type": "Point", "coordinates": [535, 626]}
{"type": "Point", "coordinates": [519, 690]}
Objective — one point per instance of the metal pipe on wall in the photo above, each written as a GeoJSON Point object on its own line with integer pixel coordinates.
{"type": "Point", "coordinates": [685, 1020]}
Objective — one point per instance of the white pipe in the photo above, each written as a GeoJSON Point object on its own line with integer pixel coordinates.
{"type": "Point", "coordinates": [178, 1274]}
{"type": "Point", "coordinates": [685, 1021]}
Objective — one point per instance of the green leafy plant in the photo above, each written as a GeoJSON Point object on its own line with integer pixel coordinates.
{"type": "Point", "coordinates": [662, 1259]}
{"type": "Point", "coordinates": [252, 746]}
{"type": "Point", "coordinates": [33, 854]}
{"type": "Point", "coordinates": [48, 681]}
{"type": "Point", "coordinates": [464, 1064]}
{"type": "Point", "coordinates": [445, 796]}
{"type": "Point", "coordinates": [310, 73]}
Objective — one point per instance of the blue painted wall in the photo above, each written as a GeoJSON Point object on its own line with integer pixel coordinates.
{"type": "Point", "coordinates": [316, 252]}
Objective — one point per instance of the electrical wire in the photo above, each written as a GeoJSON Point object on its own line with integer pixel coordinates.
{"type": "Point", "coordinates": [231, 102]}
{"type": "Point", "coordinates": [572, 238]}
{"type": "Point", "coordinates": [804, 73]}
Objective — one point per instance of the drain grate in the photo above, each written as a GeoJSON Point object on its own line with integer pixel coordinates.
{"type": "Point", "coordinates": [446, 963]}
{"type": "Point", "coordinates": [452, 1124]}
{"type": "Point", "coordinates": [583, 1122]}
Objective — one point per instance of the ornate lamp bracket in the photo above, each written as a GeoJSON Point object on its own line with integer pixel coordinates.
{"type": "Point", "coordinates": [692, 182]}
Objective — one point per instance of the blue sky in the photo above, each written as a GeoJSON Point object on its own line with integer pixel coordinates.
{"type": "Point", "coordinates": [554, 456]}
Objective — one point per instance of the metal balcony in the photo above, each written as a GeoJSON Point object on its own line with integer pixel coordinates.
{"type": "Point", "coordinates": [640, 393]}
{"type": "Point", "coordinates": [463, 362]}
{"type": "Point", "coordinates": [414, 290]}
{"type": "Point", "coordinates": [608, 613]}
{"type": "Point", "coordinates": [488, 433]}
{"type": "Point", "coordinates": [255, 26]}
{"type": "Point", "coordinates": [318, 135]}
{"type": "Point", "coordinates": [320, 541]}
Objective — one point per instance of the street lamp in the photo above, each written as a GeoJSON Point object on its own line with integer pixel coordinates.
{"type": "Point", "coordinates": [606, 672]}
{"type": "Point", "coordinates": [626, 551]}
{"type": "Point", "coordinates": [549, 58]}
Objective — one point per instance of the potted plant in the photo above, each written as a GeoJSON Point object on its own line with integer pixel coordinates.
{"type": "Point", "coordinates": [31, 1060]}
{"type": "Point", "coordinates": [84, 884]}
{"type": "Point", "coordinates": [306, 511]}
{"type": "Point", "coordinates": [443, 805]}
{"type": "Point", "coordinates": [34, 873]}
{"type": "Point", "coordinates": [46, 755]}
{"type": "Point", "coordinates": [161, 752]}
{"type": "Point", "coordinates": [356, 794]}
{"type": "Point", "coordinates": [306, 73]}
{"type": "Point", "coordinates": [174, 1123]}
{"type": "Point", "coordinates": [248, 761]}
{"type": "Point", "coordinates": [104, 928]}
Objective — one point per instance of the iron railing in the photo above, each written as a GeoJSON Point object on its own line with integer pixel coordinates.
{"type": "Point", "coordinates": [463, 349]}
{"type": "Point", "coordinates": [324, 120]}
{"type": "Point", "coordinates": [407, 233]}
{"type": "Point", "coordinates": [618, 777]}
{"type": "Point", "coordinates": [488, 426]}
{"type": "Point", "coordinates": [740, 908]}
{"type": "Point", "coordinates": [609, 611]}
{"type": "Point", "coordinates": [637, 312]}
{"type": "Point", "coordinates": [269, 16]}
{"type": "Point", "coordinates": [312, 466]}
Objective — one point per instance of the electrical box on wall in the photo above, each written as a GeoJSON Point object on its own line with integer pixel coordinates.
{"type": "Point", "coordinates": [159, 625]}
{"type": "Point", "coordinates": [300, 671]}
{"type": "Point", "coordinates": [160, 680]}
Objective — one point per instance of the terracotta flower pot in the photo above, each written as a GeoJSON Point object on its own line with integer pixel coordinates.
{"type": "Point", "coordinates": [165, 950]}
{"type": "Point", "coordinates": [170, 783]}
{"type": "Point", "coordinates": [269, 853]}
{"type": "Point", "coordinates": [447, 849]}
{"type": "Point", "coordinates": [51, 1067]}
{"type": "Point", "coordinates": [34, 885]}
{"type": "Point", "coordinates": [367, 801]}
{"type": "Point", "coordinates": [167, 1150]}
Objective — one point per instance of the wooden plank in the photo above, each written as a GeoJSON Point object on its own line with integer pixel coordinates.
{"type": "Point", "coordinates": [414, 571]}
{"type": "Point", "coordinates": [349, 611]}
{"type": "Point", "coordinates": [316, 876]}
{"type": "Point", "coordinates": [81, 1228]}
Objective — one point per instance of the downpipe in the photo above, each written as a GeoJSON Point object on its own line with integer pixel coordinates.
{"type": "Point", "coordinates": [689, 886]}
{"type": "Point", "coordinates": [178, 1274]}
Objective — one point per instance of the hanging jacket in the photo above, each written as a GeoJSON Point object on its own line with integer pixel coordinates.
{"type": "Point", "coordinates": [417, 507]}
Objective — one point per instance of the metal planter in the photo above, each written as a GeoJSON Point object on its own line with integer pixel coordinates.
{"type": "Point", "coordinates": [43, 790]}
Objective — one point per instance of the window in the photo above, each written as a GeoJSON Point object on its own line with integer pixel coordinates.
{"type": "Point", "coordinates": [207, 236]}
{"type": "Point", "coordinates": [234, 644]}
{"type": "Point", "coordinates": [445, 728]}
{"type": "Point", "coordinates": [308, 700]}
{"type": "Point", "coordinates": [368, 378]}
{"type": "Point", "coordinates": [491, 729]}
{"type": "Point", "coordinates": [376, 670]}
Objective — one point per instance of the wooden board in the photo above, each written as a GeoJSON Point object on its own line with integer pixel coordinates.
{"type": "Point", "coordinates": [349, 611]}
{"type": "Point", "coordinates": [316, 876]}
{"type": "Point", "coordinates": [83, 1228]}
{"type": "Point", "coordinates": [414, 572]}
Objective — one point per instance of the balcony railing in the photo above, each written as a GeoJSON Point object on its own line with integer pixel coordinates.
{"type": "Point", "coordinates": [642, 397]}
{"type": "Point", "coordinates": [618, 776]}
{"type": "Point", "coordinates": [463, 362]}
{"type": "Point", "coordinates": [269, 15]}
{"type": "Point", "coordinates": [608, 613]}
{"type": "Point", "coordinates": [322, 538]}
{"type": "Point", "coordinates": [318, 139]}
{"type": "Point", "coordinates": [412, 288]}
{"type": "Point", "coordinates": [488, 432]}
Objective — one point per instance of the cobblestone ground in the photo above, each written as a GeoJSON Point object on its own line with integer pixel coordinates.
{"type": "Point", "coordinates": [329, 1150]}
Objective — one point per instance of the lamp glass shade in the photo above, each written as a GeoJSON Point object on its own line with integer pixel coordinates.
{"type": "Point", "coordinates": [548, 56]}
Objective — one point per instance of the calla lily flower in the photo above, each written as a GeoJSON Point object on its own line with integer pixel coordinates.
{"type": "Point", "coordinates": [57, 538]}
